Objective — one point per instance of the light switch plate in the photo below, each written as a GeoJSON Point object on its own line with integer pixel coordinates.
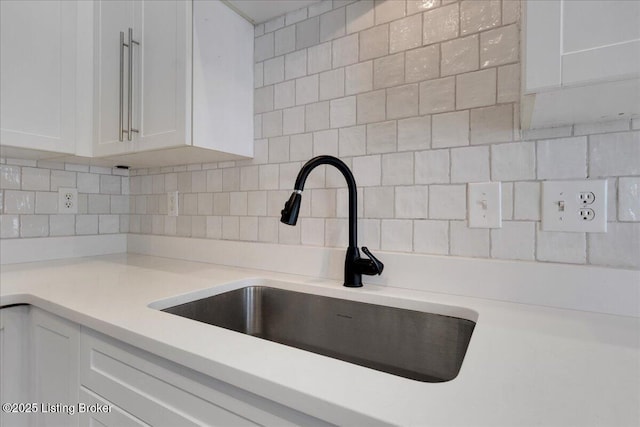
{"type": "Point", "coordinates": [574, 206]}
{"type": "Point", "coordinates": [484, 200]}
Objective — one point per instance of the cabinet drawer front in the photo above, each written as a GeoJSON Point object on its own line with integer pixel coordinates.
{"type": "Point", "coordinates": [154, 394]}
{"type": "Point", "coordinates": [160, 392]}
{"type": "Point", "coordinates": [114, 417]}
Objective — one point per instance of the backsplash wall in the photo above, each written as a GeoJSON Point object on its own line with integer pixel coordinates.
{"type": "Point", "coordinates": [29, 199]}
{"type": "Point", "coordinates": [419, 98]}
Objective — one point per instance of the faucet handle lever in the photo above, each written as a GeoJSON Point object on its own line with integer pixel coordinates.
{"type": "Point", "coordinates": [378, 265]}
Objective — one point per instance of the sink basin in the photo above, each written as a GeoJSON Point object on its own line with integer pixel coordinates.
{"type": "Point", "coordinates": [412, 344]}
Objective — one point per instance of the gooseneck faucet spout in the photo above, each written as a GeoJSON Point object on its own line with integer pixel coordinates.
{"type": "Point", "coordinates": [354, 266]}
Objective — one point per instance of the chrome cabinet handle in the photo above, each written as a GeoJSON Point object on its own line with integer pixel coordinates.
{"type": "Point", "coordinates": [130, 130]}
{"type": "Point", "coordinates": [121, 130]}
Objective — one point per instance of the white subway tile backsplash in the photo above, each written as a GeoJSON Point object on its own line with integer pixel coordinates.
{"type": "Point", "coordinates": [307, 89]}
{"type": "Point", "coordinates": [405, 34]}
{"type": "Point", "coordinates": [325, 143]}
{"type": "Point", "coordinates": [312, 231]}
{"type": "Point", "coordinates": [360, 16]}
{"type": "Point", "coordinates": [19, 202]}
{"type": "Point", "coordinates": [352, 141]}
{"type": "Point", "coordinates": [371, 107]}
{"type": "Point", "coordinates": [63, 225]}
{"type": "Point", "coordinates": [379, 202]}
{"type": "Point", "coordinates": [515, 240]}
{"type": "Point", "coordinates": [513, 162]}
{"type": "Point", "coordinates": [402, 101]}
{"type": "Point", "coordinates": [301, 147]}
{"type": "Point", "coordinates": [388, 71]}
{"type": "Point", "coordinates": [527, 201]}
{"type": "Point", "coordinates": [381, 137]}
{"type": "Point", "coordinates": [422, 64]}
{"type": "Point", "coordinates": [563, 158]}
{"type": "Point", "coordinates": [263, 47]}
{"type": "Point", "coordinates": [614, 154]}
{"type": "Point", "coordinates": [88, 224]}
{"type": "Point", "coordinates": [471, 242]}
{"type": "Point", "coordinates": [9, 226]}
{"type": "Point", "coordinates": [431, 237]}
{"type": "Point", "coordinates": [397, 169]}
{"type": "Point", "coordinates": [343, 112]}
{"type": "Point", "coordinates": [34, 226]}
{"type": "Point", "coordinates": [414, 133]}
{"type": "Point", "coordinates": [332, 24]}
{"type": "Point", "coordinates": [509, 83]}
{"type": "Point", "coordinates": [274, 70]}
{"type": "Point", "coordinates": [437, 96]}
{"type": "Point", "coordinates": [374, 42]}
{"type": "Point", "coordinates": [629, 199]}
{"type": "Point", "coordinates": [396, 235]}
{"type": "Point", "coordinates": [320, 7]}
{"type": "Point", "coordinates": [319, 58]}
{"type": "Point", "coordinates": [316, 116]}
{"type": "Point", "coordinates": [307, 33]}
{"type": "Point", "coordinates": [557, 246]}
{"type": "Point", "coordinates": [332, 84]}
{"type": "Point", "coordinates": [499, 46]}
{"type": "Point", "coordinates": [441, 24]}
{"type": "Point", "coordinates": [389, 10]}
{"type": "Point", "coordinates": [469, 164]}
{"type": "Point", "coordinates": [447, 202]}
{"type": "Point", "coordinates": [492, 124]}
{"type": "Point", "coordinates": [450, 129]}
{"type": "Point", "coordinates": [460, 55]}
{"type": "Point", "coordinates": [46, 202]}
{"type": "Point", "coordinates": [477, 89]}
{"type": "Point", "coordinates": [345, 51]}
{"type": "Point", "coordinates": [284, 94]}
{"type": "Point", "coordinates": [478, 15]}
{"type": "Point", "coordinates": [285, 40]}
{"type": "Point", "coordinates": [412, 202]}
{"type": "Point", "coordinates": [618, 247]}
{"type": "Point", "coordinates": [248, 228]}
{"type": "Point", "coordinates": [359, 78]}
{"type": "Point", "coordinates": [293, 120]}
{"type": "Point", "coordinates": [432, 167]}
{"type": "Point", "coordinates": [295, 64]}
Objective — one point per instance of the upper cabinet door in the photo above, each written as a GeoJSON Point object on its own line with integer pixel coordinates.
{"type": "Point", "coordinates": [162, 65]}
{"type": "Point", "coordinates": [38, 74]}
{"type": "Point", "coordinates": [579, 42]}
{"type": "Point", "coordinates": [111, 64]}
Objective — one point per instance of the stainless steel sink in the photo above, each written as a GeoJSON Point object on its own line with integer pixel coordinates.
{"type": "Point", "coordinates": [412, 344]}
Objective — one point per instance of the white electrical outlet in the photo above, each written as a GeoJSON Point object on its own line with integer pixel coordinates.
{"type": "Point", "coordinates": [67, 200]}
{"type": "Point", "coordinates": [485, 205]}
{"type": "Point", "coordinates": [575, 206]}
{"type": "Point", "coordinates": [172, 203]}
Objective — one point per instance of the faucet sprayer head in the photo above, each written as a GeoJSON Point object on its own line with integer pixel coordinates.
{"type": "Point", "coordinates": [291, 208]}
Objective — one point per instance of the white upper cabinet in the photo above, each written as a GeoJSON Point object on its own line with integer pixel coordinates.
{"type": "Point", "coordinates": [38, 75]}
{"type": "Point", "coordinates": [180, 91]}
{"type": "Point", "coordinates": [582, 61]}
{"type": "Point", "coordinates": [141, 86]}
{"type": "Point", "coordinates": [190, 97]}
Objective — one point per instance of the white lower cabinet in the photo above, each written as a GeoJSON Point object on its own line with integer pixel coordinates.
{"type": "Point", "coordinates": [106, 382]}
{"type": "Point", "coordinates": [14, 365]}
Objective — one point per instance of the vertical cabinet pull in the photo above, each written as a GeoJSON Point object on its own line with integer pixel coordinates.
{"type": "Point", "coordinates": [129, 130]}
{"type": "Point", "coordinates": [130, 116]}
{"type": "Point", "coordinates": [121, 130]}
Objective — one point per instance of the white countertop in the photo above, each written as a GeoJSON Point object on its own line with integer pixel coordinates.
{"type": "Point", "coordinates": [526, 365]}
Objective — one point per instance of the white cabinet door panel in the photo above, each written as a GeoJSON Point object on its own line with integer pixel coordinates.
{"type": "Point", "coordinates": [161, 64]}
{"type": "Point", "coordinates": [14, 363]}
{"type": "Point", "coordinates": [113, 417]}
{"type": "Point", "coordinates": [38, 74]}
{"type": "Point", "coordinates": [55, 348]}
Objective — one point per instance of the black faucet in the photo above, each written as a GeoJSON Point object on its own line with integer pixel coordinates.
{"type": "Point", "coordinates": [354, 266]}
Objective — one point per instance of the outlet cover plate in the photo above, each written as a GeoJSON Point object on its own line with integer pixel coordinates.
{"type": "Point", "coordinates": [67, 200]}
{"type": "Point", "coordinates": [485, 204]}
{"type": "Point", "coordinates": [563, 202]}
